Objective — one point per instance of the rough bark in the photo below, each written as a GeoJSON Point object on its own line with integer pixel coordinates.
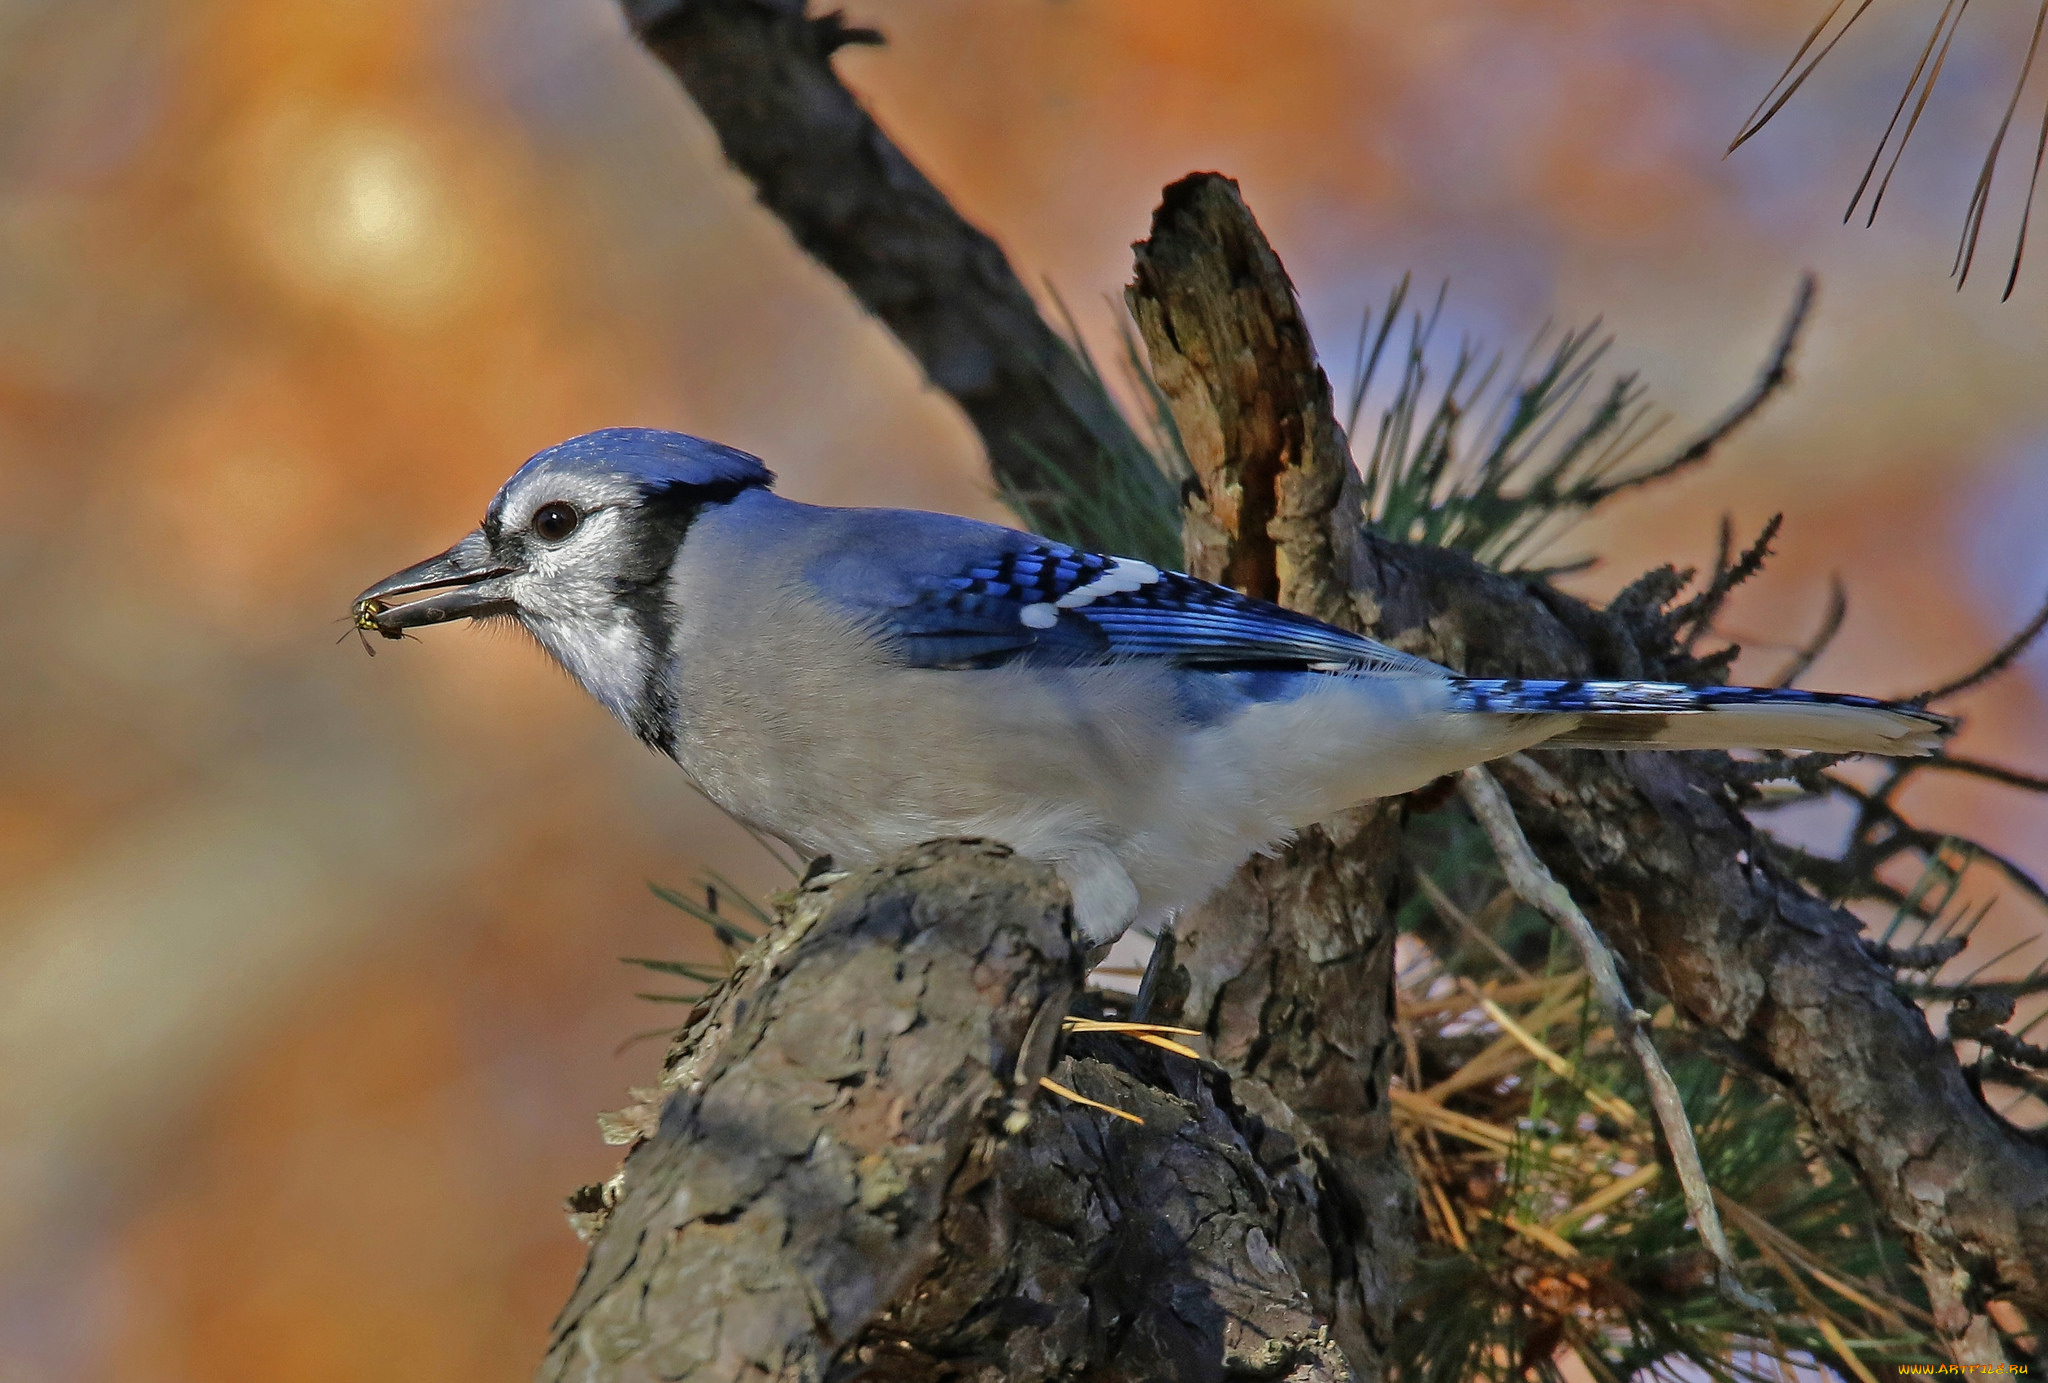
{"type": "Point", "coordinates": [761, 72]}
{"type": "Point", "coordinates": [1289, 969]}
{"type": "Point", "coordinates": [1274, 512]}
{"type": "Point", "coordinates": [1658, 848]}
{"type": "Point", "coordinates": [1658, 851]}
{"type": "Point", "coordinates": [862, 1059]}
{"type": "Point", "coordinates": [1289, 973]}
{"type": "Point", "coordinates": [853, 1170]}
{"type": "Point", "coordinates": [1102, 1249]}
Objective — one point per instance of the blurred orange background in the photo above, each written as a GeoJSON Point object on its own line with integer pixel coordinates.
{"type": "Point", "coordinates": [308, 962]}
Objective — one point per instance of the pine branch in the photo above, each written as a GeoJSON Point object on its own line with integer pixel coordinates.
{"type": "Point", "coordinates": [1541, 891]}
{"type": "Point", "coordinates": [848, 1167]}
{"type": "Point", "coordinates": [1830, 625]}
{"type": "Point", "coordinates": [761, 72]}
{"type": "Point", "coordinates": [2002, 658]}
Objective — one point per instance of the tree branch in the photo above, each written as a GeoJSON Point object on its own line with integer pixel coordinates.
{"type": "Point", "coordinates": [1097, 1247]}
{"type": "Point", "coordinates": [1656, 845]}
{"type": "Point", "coordinates": [761, 72]}
{"type": "Point", "coordinates": [1289, 969]}
{"type": "Point", "coordinates": [855, 1065]}
{"type": "Point", "coordinates": [1535, 886]}
{"type": "Point", "coordinates": [2001, 659]}
{"type": "Point", "coordinates": [1275, 513]}
{"type": "Point", "coordinates": [1776, 374]}
{"type": "Point", "coordinates": [853, 1169]}
{"type": "Point", "coordinates": [1686, 890]}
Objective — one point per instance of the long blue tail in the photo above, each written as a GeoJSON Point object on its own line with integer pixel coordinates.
{"type": "Point", "coordinates": [1666, 715]}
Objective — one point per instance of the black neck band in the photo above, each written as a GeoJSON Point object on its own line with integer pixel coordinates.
{"type": "Point", "coordinates": [664, 521]}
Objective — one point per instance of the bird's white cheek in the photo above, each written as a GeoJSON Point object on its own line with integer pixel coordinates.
{"type": "Point", "coordinates": [607, 657]}
{"type": "Point", "coordinates": [564, 594]}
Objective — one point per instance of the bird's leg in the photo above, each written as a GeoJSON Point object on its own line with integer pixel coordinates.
{"type": "Point", "coordinates": [1105, 899]}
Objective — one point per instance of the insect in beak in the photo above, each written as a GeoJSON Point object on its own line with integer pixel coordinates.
{"type": "Point", "coordinates": [461, 583]}
{"type": "Point", "coordinates": [363, 622]}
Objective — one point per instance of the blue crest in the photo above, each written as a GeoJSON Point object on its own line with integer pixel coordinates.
{"type": "Point", "coordinates": [653, 459]}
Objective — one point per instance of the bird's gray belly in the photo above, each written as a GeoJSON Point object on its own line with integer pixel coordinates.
{"type": "Point", "coordinates": [861, 762]}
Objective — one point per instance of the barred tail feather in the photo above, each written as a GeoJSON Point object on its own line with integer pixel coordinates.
{"type": "Point", "coordinates": [1664, 715]}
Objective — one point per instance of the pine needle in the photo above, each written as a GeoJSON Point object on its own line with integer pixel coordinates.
{"type": "Point", "coordinates": [1537, 1234]}
{"type": "Point", "coordinates": [1760, 1231]}
{"type": "Point", "coordinates": [1456, 916]}
{"type": "Point", "coordinates": [1499, 1058]}
{"type": "Point", "coordinates": [1618, 1110]}
{"type": "Point", "coordinates": [1152, 1034]}
{"type": "Point", "coordinates": [703, 974]}
{"type": "Point", "coordinates": [1050, 1084]}
{"type": "Point", "coordinates": [1842, 1350]}
{"type": "Point", "coordinates": [1613, 1194]}
{"type": "Point", "coordinates": [727, 932]}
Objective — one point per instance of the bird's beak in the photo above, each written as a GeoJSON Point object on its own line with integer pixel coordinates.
{"type": "Point", "coordinates": [466, 583]}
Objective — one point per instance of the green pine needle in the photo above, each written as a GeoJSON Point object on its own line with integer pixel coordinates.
{"type": "Point", "coordinates": [703, 974]}
{"type": "Point", "coordinates": [727, 933]}
{"type": "Point", "coordinates": [1636, 1293]}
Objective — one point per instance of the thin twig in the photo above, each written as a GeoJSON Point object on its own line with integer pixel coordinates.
{"type": "Point", "coordinates": [1830, 625]}
{"type": "Point", "coordinates": [1457, 917]}
{"type": "Point", "coordinates": [1927, 842]}
{"type": "Point", "coordinates": [1977, 768]}
{"type": "Point", "coordinates": [1699, 612]}
{"type": "Point", "coordinates": [1931, 956]}
{"type": "Point", "coordinates": [1998, 662]}
{"type": "Point", "coordinates": [1777, 372]}
{"type": "Point", "coordinates": [2020, 988]}
{"type": "Point", "coordinates": [1865, 854]}
{"type": "Point", "coordinates": [1529, 877]}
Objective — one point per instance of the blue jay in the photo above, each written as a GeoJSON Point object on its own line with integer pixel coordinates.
{"type": "Point", "coordinates": [855, 681]}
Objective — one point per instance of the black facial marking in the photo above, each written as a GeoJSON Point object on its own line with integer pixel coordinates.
{"type": "Point", "coordinates": [661, 523]}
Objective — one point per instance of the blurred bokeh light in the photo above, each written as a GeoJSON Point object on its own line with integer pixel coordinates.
{"type": "Point", "coordinates": [308, 962]}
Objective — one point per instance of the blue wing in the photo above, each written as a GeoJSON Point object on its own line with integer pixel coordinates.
{"type": "Point", "coordinates": [1047, 602]}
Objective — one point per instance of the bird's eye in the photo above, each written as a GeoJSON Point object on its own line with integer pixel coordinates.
{"type": "Point", "coordinates": [555, 521]}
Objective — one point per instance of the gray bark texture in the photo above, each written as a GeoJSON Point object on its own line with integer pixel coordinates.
{"type": "Point", "coordinates": [857, 1062]}
{"type": "Point", "coordinates": [853, 1171]}
{"type": "Point", "coordinates": [1657, 850]}
{"type": "Point", "coordinates": [1655, 846]}
{"type": "Point", "coordinates": [1289, 969]}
